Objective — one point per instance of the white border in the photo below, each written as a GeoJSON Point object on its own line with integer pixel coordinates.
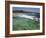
{"type": "Point", "coordinates": [27, 31]}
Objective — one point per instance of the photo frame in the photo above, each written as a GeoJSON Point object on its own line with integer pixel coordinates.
{"type": "Point", "coordinates": [24, 18]}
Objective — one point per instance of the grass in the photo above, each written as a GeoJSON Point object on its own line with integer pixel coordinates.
{"type": "Point", "coordinates": [20, 23]}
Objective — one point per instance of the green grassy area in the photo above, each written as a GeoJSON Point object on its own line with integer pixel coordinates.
{"type": "Point", "coordinates": [20, 23]}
